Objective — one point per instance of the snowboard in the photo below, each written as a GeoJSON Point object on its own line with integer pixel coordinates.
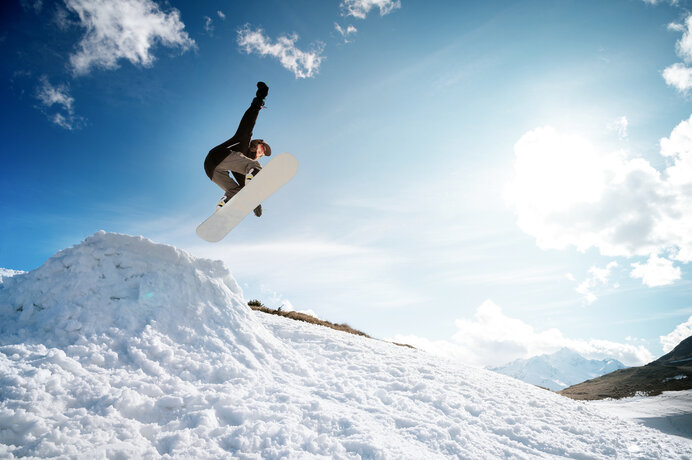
{"type": "Point", "coordinates": [277, 172]}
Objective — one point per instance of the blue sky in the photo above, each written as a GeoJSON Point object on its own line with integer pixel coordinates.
{"type": "Point", "coordinates": [486, 180]}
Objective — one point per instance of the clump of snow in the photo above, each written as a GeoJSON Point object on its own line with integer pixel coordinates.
{"type": "Point", "coordinates": [7, 273]}
{"type": "Point", "coordinates": [122, 348]}
{"type": "Point", "coordinates": [677, 377]}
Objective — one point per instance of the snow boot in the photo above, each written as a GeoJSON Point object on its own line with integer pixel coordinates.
{"type": "Point", "coordinates": [252, 173]}
{"type": "Point", "coordinates": [224, 199]}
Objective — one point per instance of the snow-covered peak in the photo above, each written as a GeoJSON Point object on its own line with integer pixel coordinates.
{"type": "Point", "coordinates": [558, 370]}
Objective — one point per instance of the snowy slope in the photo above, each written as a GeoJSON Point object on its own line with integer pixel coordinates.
{"type": "Point", "coordinates": [122, 348]}
{"type": "Point", "coordinates": [670, 412]}
{"type": "Point", "coordinates": [558, 370]}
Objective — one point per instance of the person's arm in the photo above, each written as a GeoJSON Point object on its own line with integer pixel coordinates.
{"type": "Point", "coordinates": [243, 134]}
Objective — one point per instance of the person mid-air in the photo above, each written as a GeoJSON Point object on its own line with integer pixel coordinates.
{"type": "Point", "coordinates": [239, 154]}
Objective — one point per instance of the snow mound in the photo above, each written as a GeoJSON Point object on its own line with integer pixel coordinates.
{"type": "Point", "coordinates": [127, 296]}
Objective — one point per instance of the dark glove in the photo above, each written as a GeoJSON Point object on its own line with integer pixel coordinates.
{"type": "Point", "coordinates": [262, 90]}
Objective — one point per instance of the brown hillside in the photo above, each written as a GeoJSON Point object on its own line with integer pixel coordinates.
{"type": "Point", "coordinates": [672, 372]}
{"type": "Point", "coordinates": [258, 306]}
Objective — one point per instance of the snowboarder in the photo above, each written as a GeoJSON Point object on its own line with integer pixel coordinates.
{"type": "Point", "coordinates": [239, 155]}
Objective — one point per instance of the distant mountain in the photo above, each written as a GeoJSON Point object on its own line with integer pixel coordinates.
{"type": "Point", "coordinates": [558, 370]}
{"type": "Point", "coordinates": [671, 372]}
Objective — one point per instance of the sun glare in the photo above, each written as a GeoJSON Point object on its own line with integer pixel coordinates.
{"type": "Point", "coordinates": [556, 171]}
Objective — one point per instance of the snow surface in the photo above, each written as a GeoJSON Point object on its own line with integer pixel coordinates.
{"type": "Point", "coordinates": [7, 273]}
{"type": "Point", "coordinates": [123, 348]}
{"type": "Point", "coordinates": [670, 412]}
{"type": "Point", "coordinates": [558, 370]}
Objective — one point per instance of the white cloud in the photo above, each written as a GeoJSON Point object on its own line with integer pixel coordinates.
{"type": "Point", "coordinates": [221, 15]}
{"type": "Point", "coordinates": [123, 29]}
{"type": "Point", "coordinates": [62, 19]}
{"type": "Point", "coordinates": [656, 2]}
{"type": "Point", "coordinates": [278, 301]}
{"type": "Point", "coordinates": [492, 339]}
{"type": "Point", "coordinates": [684, 46]}
{"type": "Point", "coordinates": [620, 127]}
{"type": "Point", "coordinates": [567, 193]}
{"type": "Point", "coordinates": [679, 76]}
{"type": "Point", "coordinates": [51, 95]}
{"type": "Point", "coordinates": [680, 333]}
{"type": "Point", "coordinates": [58, 104]}
{"type": "Point", "coordinates": [208, 27]}
{"type": "Point", "coordinates": [361, 8]}
{"type": "Point", "coordinates": [601, 275]}
{"type": "Point", "coordinates": [347, 32]}
{"type": "Point", "coordinates": [303, 64]}
{"type": "Point", "coordinates": [598, 277]}
{"type": "Point", "coordinates": [676, 27]}
{"type": "Point", "coordinates": [678, 148]}
{"type": "Point", "coordinates": [657, 271]}
{"type": "Point", "coordinates": [64, 121]}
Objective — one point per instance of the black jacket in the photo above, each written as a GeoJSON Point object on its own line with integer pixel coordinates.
{"type": "Point", "coordinates": [240, 142]}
